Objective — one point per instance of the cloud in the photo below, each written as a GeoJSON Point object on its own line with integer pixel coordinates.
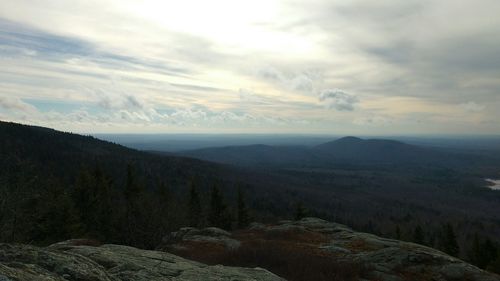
{"type": "Point", "coordinates": [16, 105]}
{"type": "Point", "coordinates": [472, 107]}
{"type": "Point", "coordinates": [302, 81]}
{"type": "Point", "coordinates": [248, 95]}
{"type": "Point", "coordinates": [145, 63]}
{"type": "Point", "coordinates": [373, 120]}
{"type": "Point", "coordinates": [338, 100]}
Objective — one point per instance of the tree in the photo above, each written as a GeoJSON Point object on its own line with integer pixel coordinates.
{"type": "Point", "coordinates": [243, 217]}
{"type": "Point", "coordinates": [489, 252]}
{"type": "Point", "coordinates": [300, 211]}
{"type": "Point", "coordinates": [194, 206]}
{"type": "Point", "coordinates": [418, 235]}
{"type": "Point", "coordinates": [483, 253]}
{"type": "Point", "coordinates": [132, 188]}
{"type": "Point", "coordinates": [134, 212]}
{"type": "Point", "coordinates": [54, 218]}
{"type": "Point", "coordinates": [398, 232]}
{"type": "Point", "coordinates": [103, 205]}
{"type": "Point", "coordinates": [92, 197]}
{"type": "Point", "coordinates": [218, 215]}
{"type": "Point", "coordinates": [449, 240]}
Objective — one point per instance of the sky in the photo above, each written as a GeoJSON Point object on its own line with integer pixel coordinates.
{"type": "Point", "coordinates": [261, 66]}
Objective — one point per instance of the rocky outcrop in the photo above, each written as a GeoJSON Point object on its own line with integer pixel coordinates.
{"type": "Point", "coordinates": [309, 249]}
{"type": "Point", "coordinates": [69, 261]}
{"type": "Point", "coordinates": [367, 256]}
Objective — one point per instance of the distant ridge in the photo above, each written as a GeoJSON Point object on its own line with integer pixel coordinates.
{"type": "Point", "coordinates": [251, 155]}
{"type": "Point", "coordinates": [372, 150]}
{"type": "Point", "coordinates": [350, 149]}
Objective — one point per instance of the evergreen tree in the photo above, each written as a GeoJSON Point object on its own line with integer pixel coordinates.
{"type": "Point", "coordinates": [92, 195]}
{"type": "Point", "coordinates": [103, 205]}
{"type": "Point", "coordinates": [55, 218]}
{"type": "Point", "coordinates": [83, 196]}
{"type": "Point", "coordinates": [489, 252]}
{"type": "Point", "coordinates": [483, 253]}
{"type": "Point", "coordinates": [243, 217]}
{"type": "Point", "coordinates": [218, 215]}
{"type": "Point", "coordinates": [194, 206]}
{"type": "Point", "coordinates": [418, 235]}
{"type": "Point", "coordinates": [475, 251]}
{"type": "Point", "coordinates": [398, 232]}
{"type": "Point", "coordinates": [133, 210]}
{"type": "Point", "coordinates": [132, 188]}
{"type": "Point", "coordinates": [300, 211]}
{"type": "Point", "coordinates": [163, 195]}
{"type": "Point", "coordinates": [449, 241]}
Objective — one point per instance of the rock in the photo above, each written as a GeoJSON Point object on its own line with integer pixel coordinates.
{"type": "Point", "coordinates": [211, 235]}
{"type": "Point", "coordinates": [381, 259]}
{"type": "Point", "coordinates": [75, 242]}
{"type": "Point", "coordinates": [257, 226]}
{"type": "Point", "coordinates": [63, 261]}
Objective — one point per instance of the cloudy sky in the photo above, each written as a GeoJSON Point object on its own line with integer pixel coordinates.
{"type": "Point", "coordinates": [265, 66]}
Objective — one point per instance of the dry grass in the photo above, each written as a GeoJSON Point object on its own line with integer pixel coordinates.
{"type": "Point", "coordinates": [294, 255]}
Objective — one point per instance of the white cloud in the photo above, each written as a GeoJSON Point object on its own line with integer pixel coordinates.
{"type": "Point", "coordinates": [152, 63]}
{"type": "Point", "coordinates": [338, 100]}
{"type": "Point", "coordinates": [301, 81]}
{"type": "Point", "coordinates": [15, 104]}
{"type": "Point", "coordinates": [472, 107]}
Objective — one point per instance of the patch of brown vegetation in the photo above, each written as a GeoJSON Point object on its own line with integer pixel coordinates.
{"type": "Point", "coordinates": [360, 245]}
{"type": "Point", "coordinates": [205, 252]}
{"type": "Point", "coordinates": [294, 255]}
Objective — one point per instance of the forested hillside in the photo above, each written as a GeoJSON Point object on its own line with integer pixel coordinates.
{"type": "Point", "coordinates": [55, 186]}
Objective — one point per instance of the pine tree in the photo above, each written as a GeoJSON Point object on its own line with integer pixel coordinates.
{"type": "Point", "coordinates": [92, 195]}
{"type": "Point", "coordinates": [489, 252]}
{"type": "Point", "coordinates": [133, 211]}
{"type": "Point", "coordinates": [483, 253]}
{"type": "Point", "coordinates": [218, 215]}
{"type": "Point", "coordinates": [474, 253]}
{"type": "Point", "coordinates": [103, 205]}
{"type": "Point", "coordinates": [194, 206]}
{"type": "Point", "coordinates": [83, 196]}
{"type": "Point", "coordinates": [300, 211]}
{"type": "Point", "coordinates": [449, 241]}
{"type": "Point", "coordinates": [418, 235]}
{"type": "Point", "coordinates": [55, 217]}
{"type": "Point", "coordinates": [132, 188]}
{"type": "Point", "coordinates": [398, 232]}
{"type": "Point", "coordinates": [243, 217]}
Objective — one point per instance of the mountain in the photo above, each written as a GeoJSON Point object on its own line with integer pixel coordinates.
{"type": "Point", "coordinates": [352, 149]}
{"type": "Point", "coordinates": [347, 150]}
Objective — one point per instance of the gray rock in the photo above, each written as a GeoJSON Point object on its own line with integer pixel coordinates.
{"type": "Point", "coordinates": [207, 235]}
{"type": "Point", "coordinates": [4, 278]}
{"type": "Point", "coordinates": [256, 226]}
{"type": "Point", "coordinates": [111, 263]}
{"type": "Point", "coordinates": [384, 259]}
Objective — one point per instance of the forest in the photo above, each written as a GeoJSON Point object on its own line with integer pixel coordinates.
{"type": "Point", "coordinates": [56, 186]}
